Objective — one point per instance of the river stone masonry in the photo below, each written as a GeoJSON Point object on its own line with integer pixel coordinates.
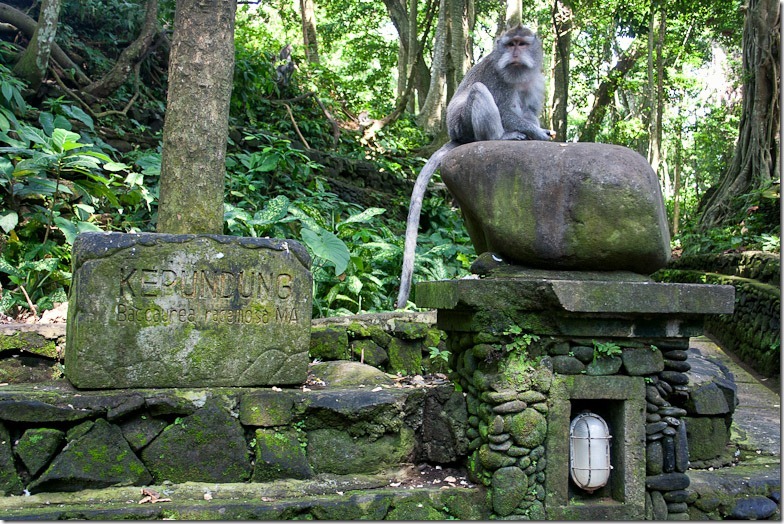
{"type": "Point", "coordinates": [158, 310]}
{"type": "Point", "coordinates": [532, 349]}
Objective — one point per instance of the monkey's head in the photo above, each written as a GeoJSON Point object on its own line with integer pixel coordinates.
{"type": "Point", "coordinates": [519, 53]}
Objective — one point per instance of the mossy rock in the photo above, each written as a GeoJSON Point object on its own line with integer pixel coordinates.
{"type": "Point", "coordinates": [509, 485]}
{"type": "Point", "coordinates": [335, 451]}
{"type": "Point", "coordinates": [357, 330]}
{"type": "Point", "coordinates": [405, 357]}
{"type": "Point", "coordinates": [368, 351]}
{"type": "Point", "coordinates": [208, 446]}
{"type": "Point", "coordinates": [329, 343]}
{"type": "Point", "coordinates": [31, 342]}
{"type": "Point", "coordinates": [267, 408]}
{"type": "Point", "coordinates": [359, 506]}
{"type": "Point", "coordinates": [140, 431]}
{"type": "Point", "coordinates": [344, 374]}
{"type": "Point", "coordinates": [280, 454]}
{"type": "Point", "coordinates": [99, 458]}
{"type": "Point", "coordinates": [10, 483]}
{"type": "Point", "coordinates": [38, 446]}
{"type": "Point", "coordinates": [528, 428]}
{"type": "Point", "coordinates": [415, 508]}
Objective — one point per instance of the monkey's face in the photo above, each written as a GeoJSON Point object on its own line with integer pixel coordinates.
{"type": "Point", "coordinates": [520, 51]}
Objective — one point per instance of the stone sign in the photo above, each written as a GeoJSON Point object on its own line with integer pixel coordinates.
{"type": "Point", "coordinates": [158, 310]}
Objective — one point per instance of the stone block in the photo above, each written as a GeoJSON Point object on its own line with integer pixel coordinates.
{"type": "Point", "coordinates": [10, 483]}
{"type": "Point", "coordinates": [279, 455]}
{"type": "Point", "coordinates": [509, 486]}
{"type": "Point", "coordinates": [707, 437]}
{"type": "Point", "coordinates": [266, 408]}
{"type": "Point", "coordinates": [554, 205]}
{"type": "Point", "coordinates": [155, 310]}
{"type": "Point", "coordinates": [99, 458]}
{"type": "Point", "coordinates": [708, 400]}
{"type": "Point", "coordinates": [642, 361]}
{"type": "Point", "coordinates": [335, 451]}
{"type": "Point", "coordinates": [37, 447]}
{"type": "Point", "coordinates": [207, 446]}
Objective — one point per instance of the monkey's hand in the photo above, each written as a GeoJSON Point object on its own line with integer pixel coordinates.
{"type": "Point", "coordinates": [515, 135]}
{"type": "Point", "coordinates": [541, 134]}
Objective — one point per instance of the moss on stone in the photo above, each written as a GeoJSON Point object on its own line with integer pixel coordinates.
{"type": "Point", "coordinates": [418, 507]}
{"type": "Point", "coordinates": [329, 343]}
{"type": "Point", "coordinates": [335, 451]}
{"type": "Point", "coordinates": [279, 454]}
{"type": "Point", "coordinates": [29, 341]}
{"type": "Point", "coordinates": [405, 356]}
{"type": "Point", "coordinates": [207, 446]}
{"type": "Point", "coordinates": [37, 446]}
{"type": "Point", "coordinates": [528, 428]}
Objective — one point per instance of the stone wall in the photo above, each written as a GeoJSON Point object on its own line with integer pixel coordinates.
{"type": "Point", "coordinates": [406, 343]}
{"type": "Point", "coordinates": [753, 331]}
{"type": "Point", "coordinates": [344, 422]}
{"type": "Point", "coordinates": [508, 422]}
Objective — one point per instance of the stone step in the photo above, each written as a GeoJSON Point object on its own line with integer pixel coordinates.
{"type": "Point", "coordinates": [390, 495]}
{"type": "Point", "coordinates": [351, 420]}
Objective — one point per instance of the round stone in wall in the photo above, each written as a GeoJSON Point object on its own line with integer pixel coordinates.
{"type": "Point", "coordinates": [575, 206]}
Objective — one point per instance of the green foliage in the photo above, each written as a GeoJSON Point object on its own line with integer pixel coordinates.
{"type": "Point", "coordinates": [58, 177]}
{"type": "Point", "coordinates": [54, 185]}
{"type": "Point", "coordinates": [518, 343]}
{"type": "Point", "coordinates": [606, 349]}
{"type": "Point", "coordinates": [757, 227]}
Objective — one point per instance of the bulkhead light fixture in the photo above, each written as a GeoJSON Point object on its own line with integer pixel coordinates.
{"type": "Point", "coordinates": [589, 451]}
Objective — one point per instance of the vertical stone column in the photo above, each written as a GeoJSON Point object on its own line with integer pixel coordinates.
{"type": "Point", "coordinates": [532, 350]}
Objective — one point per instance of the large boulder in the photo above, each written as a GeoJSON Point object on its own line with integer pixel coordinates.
{"type": "Point", "coordinates": [581, 206]}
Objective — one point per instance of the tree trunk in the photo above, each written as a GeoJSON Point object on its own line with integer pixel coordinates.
{"type": "Point", "coordinates": [457, 58]}
{"type": "Point", "coordinates": [130, 57]}
{"type": "Point", "coordinates": [676, 197]}
{"type": "Point", "coordinates": [605, 92]}
{"type": "Point", "coordinates": [562, 26]}
{"type": "Point", "coordinates": [28, 26]}
{"type": "Point", "coordinates": [755, 162]}
{"type": "Point", "coordinates": [657, 102]}
{"type": "Point", "coordinates": [33, 63]}
{"type": "Point", "coordinates": [431, 116]}
{"type": "Point", "coordinates": [308, 11]}
{"type": "Point", "coordinates": [514, 14]}
{"type": "Point", "coordinates": [195, 132]}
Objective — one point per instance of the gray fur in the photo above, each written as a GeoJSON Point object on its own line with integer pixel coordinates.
{"type": "Point", "coordinates": [500, 98]}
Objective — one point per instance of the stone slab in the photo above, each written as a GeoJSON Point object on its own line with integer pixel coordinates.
{"type": "Point", "coordinates": [157, 310]}
{"type": "Point", "coordinates": [577, 296]}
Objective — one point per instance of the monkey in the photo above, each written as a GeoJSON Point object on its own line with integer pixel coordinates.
{"type": "Point", "coordinates": [500, 98]}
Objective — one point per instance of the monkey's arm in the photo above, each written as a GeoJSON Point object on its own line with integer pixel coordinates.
{"type": "Point", "coordinates": [524, 123]}
{"type": "Point", "coordinates": [412, 223]}
{"type": "Point", "coordinates": [522, 114]}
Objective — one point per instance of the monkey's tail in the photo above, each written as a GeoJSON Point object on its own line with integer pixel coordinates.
{"type": "Point", "coordinates": [412, 223]}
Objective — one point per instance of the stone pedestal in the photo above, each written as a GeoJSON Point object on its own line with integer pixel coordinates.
{"type": "Point", "coordinates": [156, 310]}
{"type": "Point", "coordinates": [532, 349]}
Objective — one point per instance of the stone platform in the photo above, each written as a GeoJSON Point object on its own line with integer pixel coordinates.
{"type": "Point", "coordinates": [534, 348]}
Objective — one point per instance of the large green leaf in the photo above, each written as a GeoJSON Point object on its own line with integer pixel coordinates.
{"type": "Point", "coordinates": [363, 217]}
{"type": "Point", "coordinates": [329, 247]}
{"type": "Point", "coordinates": [274, 211]}
{"type": "Point", "coordinates": [8, 221]}
{"type": "Point", "coordinates": [77, 114]}
{"type": "Point", "coordinates": [63, 140]}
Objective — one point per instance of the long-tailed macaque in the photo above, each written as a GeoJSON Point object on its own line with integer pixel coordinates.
{"type": "Point", "coordinates": [500, 98]}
